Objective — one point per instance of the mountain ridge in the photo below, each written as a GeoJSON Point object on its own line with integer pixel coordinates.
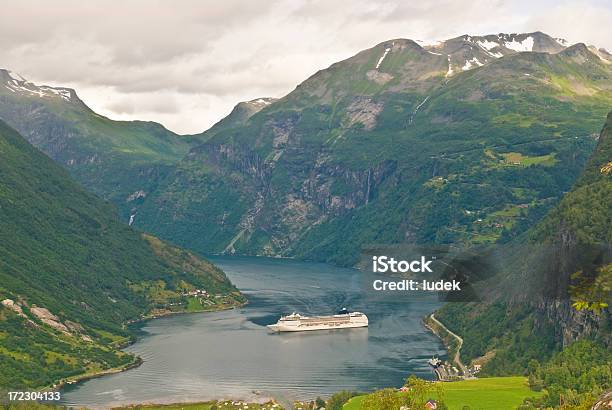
{"type": "Point", "coordinates": [106, 156]}
{"type": "Point", "coordinates": [339, 149]}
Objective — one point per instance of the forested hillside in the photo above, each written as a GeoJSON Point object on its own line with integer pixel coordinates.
{"type": "Point", "coordinates": [72, 274]}
{"type": "Point", "coordinates": [548, 304]}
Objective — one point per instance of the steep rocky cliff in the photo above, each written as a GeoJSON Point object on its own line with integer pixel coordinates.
{"type": "Point", "coordinates": [581, 225]}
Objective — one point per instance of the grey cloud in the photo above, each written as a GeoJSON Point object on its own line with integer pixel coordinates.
{"type": "Point", "coordinates": [153, 103]}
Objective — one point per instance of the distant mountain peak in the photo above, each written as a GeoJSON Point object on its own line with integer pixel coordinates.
{"type": "Point", "coordinates": [582, 53]}
{"type": "Point", "coordinates": [241, 113]}
{"type": "Point", "coordinates": [15, 83]}
{"type": "Point", "coordinates": [502, 44]}
{"type": "Point", "coordinates": [578, 51]}
{"type": "Point", "coordinates": [602, 53]}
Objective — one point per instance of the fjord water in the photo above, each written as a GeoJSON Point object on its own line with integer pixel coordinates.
{"type": "Point", "coordinates": [230, 354]}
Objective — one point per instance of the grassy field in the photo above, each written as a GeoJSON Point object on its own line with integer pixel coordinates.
{"type": "Point", "coordinates": [194, 305]}
{"type": "Point", "coordinates": [497, 393]}
{"type": "Point", "coordinates": [520, 159]}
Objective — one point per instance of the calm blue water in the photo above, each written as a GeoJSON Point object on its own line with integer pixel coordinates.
{"type": "Point", "coordinates": [231, 354]}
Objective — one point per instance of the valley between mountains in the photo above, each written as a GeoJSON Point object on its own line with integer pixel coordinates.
{"type": "Point", "coordinates": [476, 140]}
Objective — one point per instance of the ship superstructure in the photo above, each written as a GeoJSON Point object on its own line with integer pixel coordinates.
{"type": "Point", "coordinates": [298, 323]}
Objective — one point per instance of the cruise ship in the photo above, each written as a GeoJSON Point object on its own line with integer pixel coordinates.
{"type": "Point", "coordinates": [298, 323]}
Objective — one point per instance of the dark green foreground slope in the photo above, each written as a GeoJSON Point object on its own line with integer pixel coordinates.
{"type": "Point", "coordinates": [71, 274]}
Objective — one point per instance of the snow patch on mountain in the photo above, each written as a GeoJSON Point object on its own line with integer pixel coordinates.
{"type": "Point", "coordinates": [61, 92]}
{"type": "Point", "coordinates": [261, 101]}
{"type": "Point", "coordinates": [15, 76]}
{"type": "Point", "coordinates": [487, 45]}
{"type": "Point", "coordinates": [18, 84]}
{"type": "Point", "coordinates": [450, 67]}
{"type": "Point", "coordinates": [525, 45]}
{"type": "Point", "coordinates": [471, 63]}
{"type": "Point", "coordinates": [380, 60]}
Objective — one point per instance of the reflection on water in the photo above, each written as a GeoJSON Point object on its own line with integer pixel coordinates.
{"type": "Point", "coordinates": [232, 355]}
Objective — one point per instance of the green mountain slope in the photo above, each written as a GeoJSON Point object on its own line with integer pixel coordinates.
{"type": "Point", "coordinates": [516, 327]}
{"type": "Point", "coordinates": [72, 275]}
{"type": "Point", "coordinates": [465, 141]}
{"type": "Point", "coordinates": [111, 158]}
{"type": "Point", "coordinates": [584, 212]}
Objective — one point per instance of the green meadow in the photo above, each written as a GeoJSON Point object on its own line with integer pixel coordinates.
{"type": "Point", "coordinates": [498, 393]}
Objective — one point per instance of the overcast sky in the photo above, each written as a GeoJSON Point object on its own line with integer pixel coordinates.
{"type": "Point", "coordinates": [187, 63]}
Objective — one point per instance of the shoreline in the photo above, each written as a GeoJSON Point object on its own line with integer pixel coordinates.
{"type": "Point", "coordinates": [266, 403]}
{"type": "Point", "coordinates": [88, 376]}
{"type": "Point", "coordinates": [137, 359]}
{"type": "Point", "coordinates": [171, 313]}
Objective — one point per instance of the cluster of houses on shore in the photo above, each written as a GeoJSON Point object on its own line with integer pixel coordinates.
{"type": "Point", "coordinates": [196, 293]}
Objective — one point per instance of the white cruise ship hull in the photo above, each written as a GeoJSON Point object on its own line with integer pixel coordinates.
{"type": "Point", "coordinates": [304, 324]}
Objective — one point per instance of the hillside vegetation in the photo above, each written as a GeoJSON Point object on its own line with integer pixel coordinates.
{"type": "Point", "coordinates": [560, 336]}
{"type": "Point", "coordinates": [503, 393]}
{"type": "Point", "coordinates": [72, 275]}
{"type": "Point", "coordinates": [410, 149]}
{"type": "Point", "coordinates": [114, 159]}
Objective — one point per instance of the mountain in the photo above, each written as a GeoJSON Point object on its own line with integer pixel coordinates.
{"type": "Point", "coordinates": [564, 274]}
{"type": "Point", "coordinates": [469, 140]}
{"type": "Point", "coordinates": [239, 115]}
{"type": "Point", "coordinates": [109, 157]}
{"type": "Point", "coordinates": [72, 274]}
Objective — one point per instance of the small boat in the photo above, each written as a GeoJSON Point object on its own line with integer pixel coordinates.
{"type": "Point", "coordinates": [434, 362]}
{"type": "Point", "coordinates": [298, 323]}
